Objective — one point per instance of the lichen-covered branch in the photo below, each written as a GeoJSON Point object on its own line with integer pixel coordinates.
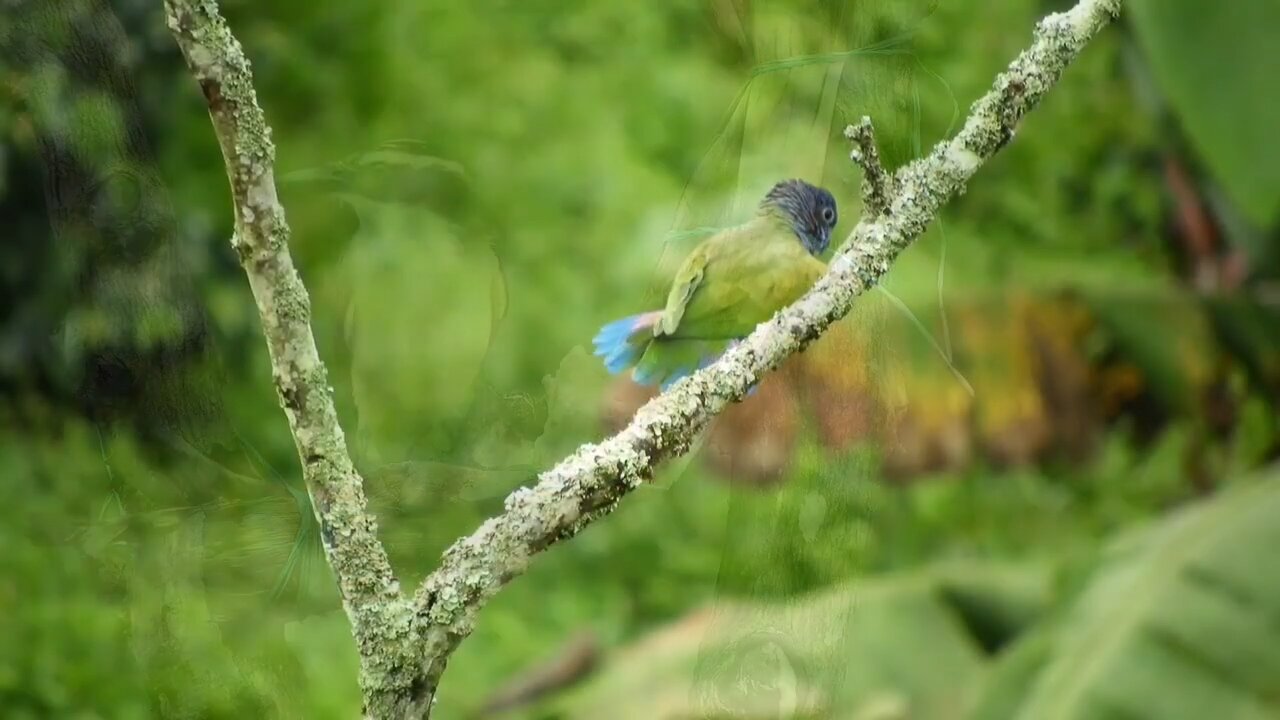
{"type": "Point", "coordinates": [878, 185]}
{"type": "Point", "coordinates": [404, 644]}
{"type": "Point", "coordinates": [590, 482]}
{"type": "Point", "coordinates": [370, 593]}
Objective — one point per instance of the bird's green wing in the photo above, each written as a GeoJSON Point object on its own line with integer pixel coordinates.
{"type": "Point", "coordinates": [688, 280]}
{"type": "Point", "coordinates": [672, 355]}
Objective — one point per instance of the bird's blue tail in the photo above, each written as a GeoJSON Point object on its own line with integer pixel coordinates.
{"type": "Point", "coordinates": [621, 343]}
{"type": "Point", "coordinates": [629, 343]}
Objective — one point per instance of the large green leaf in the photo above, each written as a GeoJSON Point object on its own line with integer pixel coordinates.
{"type": "Point", "coordinates": [906, 645]}
{"type": "Point", "coordinates": [1181, 621]}
{"type": "Point", "coordinates": [1012, 674]}
{"type": "Point", "coordinates": [1218, 64]}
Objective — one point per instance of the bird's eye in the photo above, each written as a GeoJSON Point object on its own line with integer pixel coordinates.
{"type": "Point", "coordinates": [828, 215]}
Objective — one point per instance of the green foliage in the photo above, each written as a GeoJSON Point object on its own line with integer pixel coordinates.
{"type": "Point", "coordinates": [1174, 621]}
{"type": "Point", "coordinates": [105, 608]}
{"type": "Point", "coordinates": [846, 652]}
{"type": "Point", "coordinates": [1211, 64]}
{"type": "Point", "coordinates": [1177, 622]}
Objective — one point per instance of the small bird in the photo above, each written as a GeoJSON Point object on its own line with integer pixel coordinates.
{"type": "Point", "coordinates": [729, 284]}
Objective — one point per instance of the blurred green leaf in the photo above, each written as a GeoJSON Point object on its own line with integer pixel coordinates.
{"type": "Point", "coordinates": [1218, 64]}
{"type": "Point", "coordinates": [1012, 674]}
{"type": "Point", "coordinates": [901, 645]}
{"type": "Point", "coordinates": [1166, 336]}
{"type": "Point", "coordinates": [995, 602]}
{"type": "Point", "coordinates": [1249, 330]}
{"type": "Point", "coordinates": [1179, 622]}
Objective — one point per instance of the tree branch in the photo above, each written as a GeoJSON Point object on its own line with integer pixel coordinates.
{"type": "Point", "coordinates": [404, 645]}
{"type": "Point", "coordinates": [589, 483]}
{"type": "Point", "coordinates": [370, 592]}
{"type": "Point", "coordinates": [878, 186]}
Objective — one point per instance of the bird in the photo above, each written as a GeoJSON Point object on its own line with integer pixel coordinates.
{"type": "Point", "coordinates": [729, 284]}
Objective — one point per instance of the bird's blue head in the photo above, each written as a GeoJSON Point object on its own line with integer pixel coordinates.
{"type": "Point", "coordinates": [809, 210]}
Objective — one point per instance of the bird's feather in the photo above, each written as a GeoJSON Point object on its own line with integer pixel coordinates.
{"type": "Point", "coordinates": [686, 285]}
{"type": "Point", "coordinates": [666, 361]}
{"type": "Point", "coordinates": [621, 343]}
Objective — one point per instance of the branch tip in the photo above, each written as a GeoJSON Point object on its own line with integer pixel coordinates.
{"type": "Point", "coordinates": [878, 185]}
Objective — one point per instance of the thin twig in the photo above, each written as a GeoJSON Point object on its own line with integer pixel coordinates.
{"type": "Point", "coordinates": [877, 184]}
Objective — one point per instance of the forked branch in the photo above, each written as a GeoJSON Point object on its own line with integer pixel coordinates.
{"type": "Point", "coordinates": [404, 643]}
